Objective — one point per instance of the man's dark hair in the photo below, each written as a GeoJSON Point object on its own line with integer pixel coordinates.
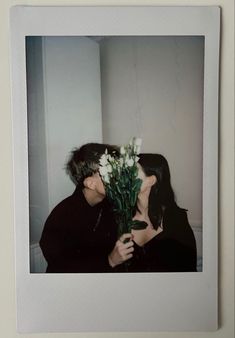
{"type": "Point", "coordinates": [84, 161]}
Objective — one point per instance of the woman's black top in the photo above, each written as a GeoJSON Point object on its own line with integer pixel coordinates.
{"type": "Point", "coordinates": [78, 237]}
{"type": "Point", "coordinates": [172, 250]}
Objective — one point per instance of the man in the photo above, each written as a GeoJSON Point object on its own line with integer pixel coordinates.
{"type": "Point", "coordinates": [80, 233]}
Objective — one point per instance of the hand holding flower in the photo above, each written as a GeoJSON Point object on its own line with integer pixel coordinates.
{"type": "Point", "coordinates": [122, 251]}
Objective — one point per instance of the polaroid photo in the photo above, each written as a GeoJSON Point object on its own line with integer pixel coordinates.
{"type": "Point", "coordinates": [88, 75]}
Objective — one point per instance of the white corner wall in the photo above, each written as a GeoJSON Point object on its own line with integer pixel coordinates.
{"type": "Point", "coordinates": [152, 87]}
{"type": "Point", "coordinates": [64, 112]}
{"type": "Point", "coordinates": [72, 104]}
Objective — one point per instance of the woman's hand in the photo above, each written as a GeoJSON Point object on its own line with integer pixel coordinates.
{"type": "Point", "coordinates": [122, 251]}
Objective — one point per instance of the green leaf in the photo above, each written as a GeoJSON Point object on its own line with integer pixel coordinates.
{"type": "Point", "coordinates": [138, 184]}
{"type": "Point", "coordinates": [139, 225]}
{"type": "Point", "coordinates": [118, 189]}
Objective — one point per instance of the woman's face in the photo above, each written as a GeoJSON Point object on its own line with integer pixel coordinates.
{"type": "Point", "coordinates": [147, 181]}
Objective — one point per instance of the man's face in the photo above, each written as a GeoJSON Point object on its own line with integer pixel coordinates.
{"type": "Point", "coordinates": [100, 189]}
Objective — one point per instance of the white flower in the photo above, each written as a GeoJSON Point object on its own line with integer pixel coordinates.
{"type": "Point", "coordinates": [136, 159]}
{"type": "Point", "coordinates": [130, 162]}
{"type": "Point", "coordinates": [137, 149]}
{"type": "Point", "coordinates": [103, 171]}
{"type": "Point", "coordinates": [109, 168]}
{"type": "Point", "coordinates": [138, 141]}
{"type": "Point", "coordinates": [122, 150]}
{"type": "Point", "coordinates": [103, 160]}
{"type": "Point", "coordinates": [106, 178]}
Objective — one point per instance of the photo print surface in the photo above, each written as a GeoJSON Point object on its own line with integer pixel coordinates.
{"type": "Point", "coordinates": [109, 89]}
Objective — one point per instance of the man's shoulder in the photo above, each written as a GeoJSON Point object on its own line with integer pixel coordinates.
{"type": "Point", "coordinates": [63, 206]}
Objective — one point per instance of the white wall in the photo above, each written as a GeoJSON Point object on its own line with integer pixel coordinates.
{"type": "Point", "coordinates": [64, 112]}
{"type": "Point", "coordinates": [38, 180]}
{"type": "Point", "coordinates": [152, 87]}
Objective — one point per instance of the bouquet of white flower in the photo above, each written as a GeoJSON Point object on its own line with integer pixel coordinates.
{"type": "Point", "coordinates": [122, 185]}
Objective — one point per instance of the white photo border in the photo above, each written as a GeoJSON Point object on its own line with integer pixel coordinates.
{"type": "Point", "coordinates": [116, 302]}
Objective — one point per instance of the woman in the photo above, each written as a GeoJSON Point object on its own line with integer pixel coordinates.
{"type": "Point", "coordinates": [168, 243]}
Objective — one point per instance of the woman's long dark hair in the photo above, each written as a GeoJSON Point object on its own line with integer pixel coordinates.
{"type": "Point", "coordinates": [161, 195]}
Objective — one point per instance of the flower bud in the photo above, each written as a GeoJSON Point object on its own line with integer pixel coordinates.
{"type": "Point", "coordinates": [138, 142]}
{"type": "Point", "coordinates": [122, 150]}
{"type": "Point", "coordinates": [137, 149]}
{"type": "Point", "coordinates": [130, 162]}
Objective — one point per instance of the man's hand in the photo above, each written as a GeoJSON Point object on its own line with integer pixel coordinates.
{"type": "Point", "coordinates": [122, 251]}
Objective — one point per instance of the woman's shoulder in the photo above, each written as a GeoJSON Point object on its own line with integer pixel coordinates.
{"type": "Point", "coordinates": [176, 219]}
{"type": "Point", "coordinates": [176, 211]}
{"type": "Point", "coordinates": [177, 222]}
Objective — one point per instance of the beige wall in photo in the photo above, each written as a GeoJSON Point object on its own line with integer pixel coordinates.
{"type": "Point", "coordinates": [226, 185]}
{"type": "Point", "coordinates": [152, 87]}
